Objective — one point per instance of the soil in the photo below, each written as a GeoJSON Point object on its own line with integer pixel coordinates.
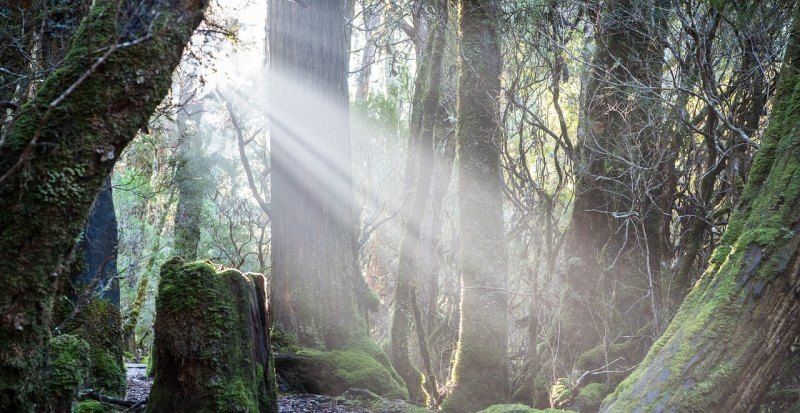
{"type": "Point", "coordinates": [139, 388]}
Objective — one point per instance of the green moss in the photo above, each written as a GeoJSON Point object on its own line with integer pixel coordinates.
{"type": "Point", "coordinates": [601, 354]}
{"type": "Point", "coordinates": [98, 322]}
{"type": "Point", "coordinates": [590, 397]}
{"type": "Point", "coordinates": [97, 119]}
{"type": "Point", "coordinates": [283, 341]}
{"type": "Point", "coordinates": [67, 367]}
{"type": "Point", "coordinates": [519, 408]}
{"type": "Point", "coordinates": [236, 395]}
{"type": "Point", "coordinates": [370, 401]}
{"type": "Point", "coordinates": [340, 370]}
{"type": "Point", "coordinates": [560, 393]}
{"type": "Point", "coordinates": [91, 406]}
{"type": "Point", "coordinates": [204, 328]}
{"type": "Point", "coordinates": [691, 361]}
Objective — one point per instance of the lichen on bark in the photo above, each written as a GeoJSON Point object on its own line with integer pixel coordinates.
{"type": "Point", "coordinates": [56, 155]}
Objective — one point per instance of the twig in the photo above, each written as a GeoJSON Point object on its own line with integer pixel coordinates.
{"type": "Point", "coordinates": [132, 405]}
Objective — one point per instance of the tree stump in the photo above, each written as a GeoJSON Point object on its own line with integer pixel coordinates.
{"type": "Point", "coordinates": [211, 343]}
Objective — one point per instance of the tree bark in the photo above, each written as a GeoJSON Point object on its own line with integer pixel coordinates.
{"type": "Point", "coordinates": [212, 349]}
{"type": "Point", "coordinates": [315, 279]}
{"type": "Point", "coordinates": [613, 240]}
{"type": "Point", "coordinates": [189, 178]}
{"type": "Point", "coordinates": [129, 328]}
{"type": "Point", "coordinates": [729, 338]}
{"type": "Point", "coordinates": [56, 156]}
{"type": "Point", "coordinates": [480, 373]}
{"type": "Point", "coordinates": [98, 245]}
{"type": "Point", "coordinates": [419, 175]}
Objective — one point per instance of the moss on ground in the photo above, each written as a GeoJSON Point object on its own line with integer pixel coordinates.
{"type": "Point", "coordinates": [368, 400]}
{"type": "Point", "coordinates": [359, 365]}
{"type": "Point", "coordinates": [520, 408]}
{"type": "Point", "coordinates": [99, 323]}
{"type": "Point", "coordinates": [91, 406]}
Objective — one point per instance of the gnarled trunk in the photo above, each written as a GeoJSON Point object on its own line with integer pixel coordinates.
{"type": "Point", "coordinates": [56, 156]}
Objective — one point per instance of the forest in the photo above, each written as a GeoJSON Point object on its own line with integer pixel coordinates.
{"type": "Point", "coordinates": [399, 206]}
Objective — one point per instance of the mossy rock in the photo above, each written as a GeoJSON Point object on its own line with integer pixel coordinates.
{"type": "Point", "coordinates": [520, 408]}
{"type": "Point", "coordinates": [67, 369]}
{"type": "Point", "coordinates": [92, 406]}
{"type": "Point", "coordinates": [589, 398]}
{"type": "Point", "coordinates": [333, 372]}
{"type": "Point", "coordinates": [360, 365]}
{"type": "Point", "coordinates": [209, 355]}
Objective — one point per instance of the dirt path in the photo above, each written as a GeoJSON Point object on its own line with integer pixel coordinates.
{"type": "Point", "coordinates": [139, 388]}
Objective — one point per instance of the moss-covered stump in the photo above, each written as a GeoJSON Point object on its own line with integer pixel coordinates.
{"type": "Point", "coordinates": [99, 323]}
{"type": "Point", "coordinates": [211, 348]}
{"type": "Point", "coordinates": [520, 408]}
{"type": "Point", "coordinates": [362, 365]}
{"type": "Point", "coordinates": [67, 369]}
{"type": "Point", "coordinates": [101, 327]}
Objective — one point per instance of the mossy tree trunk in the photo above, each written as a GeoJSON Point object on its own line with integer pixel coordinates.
{"type": "Point", "coordinates": [731, 335]}
{"type": "Point", "coordinates": [480, 373]}
{"type": "Point", "coordinates": [613, 243]}
{"type": "Point", "coordinates": [132, 318]}
{"type": "Point", "coordinates": [212, 350]}
{"type": "Point", "coordinates": [98, 248]}
{"type": "Point", "coordinates": [189, 177]}
{"type": "Point", "coordinates": [419, 174]}
{"type": "Point", "coordinates": [56, 156]}
{"type": "Point", "coordinates": [314, 250]}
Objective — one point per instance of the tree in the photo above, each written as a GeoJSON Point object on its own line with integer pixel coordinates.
{"type": "Point", "coordinates": [189, 176]}
{"type": "Point", "coordinates": [729, 338]}
{"type": "Point", "coordinates": [614, 235]}
{"type": "Point", "coordinates": [58, 152]}
{"type": "Point", "coordinates": [314, 247]}
{"type": "Point", "coordinates": [98, 245]}
{"type": "Point", "coordinates": [418, 180]}
{"type": "Point", "coordinates": [480, 373]}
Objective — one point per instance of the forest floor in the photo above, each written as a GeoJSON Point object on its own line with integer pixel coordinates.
{"type": "Point", "coordinates": [139, 388]}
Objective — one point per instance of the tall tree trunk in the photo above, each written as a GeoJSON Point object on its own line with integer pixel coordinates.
{"type": "Point", "coordinates": [419, 171]}
{"type": "Point", "coordinates": [98, 245]}
{"type": "Point", "coordinates": [56, 156]}
{"type": "Point", "coordinates": [729, 338]}
{"type": "Point", "coordinates": [313, 224]}
{"type": "Point", "coordinates": [189, 177]}
{"type": "Point", "coordinates": [132, 319]}
{"type": "Point", "coordinates": [480, 373]}
{"type": "Point", "coordinates": [614, 236]}
{"type": "Point", "coordinates": [372, 17]}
